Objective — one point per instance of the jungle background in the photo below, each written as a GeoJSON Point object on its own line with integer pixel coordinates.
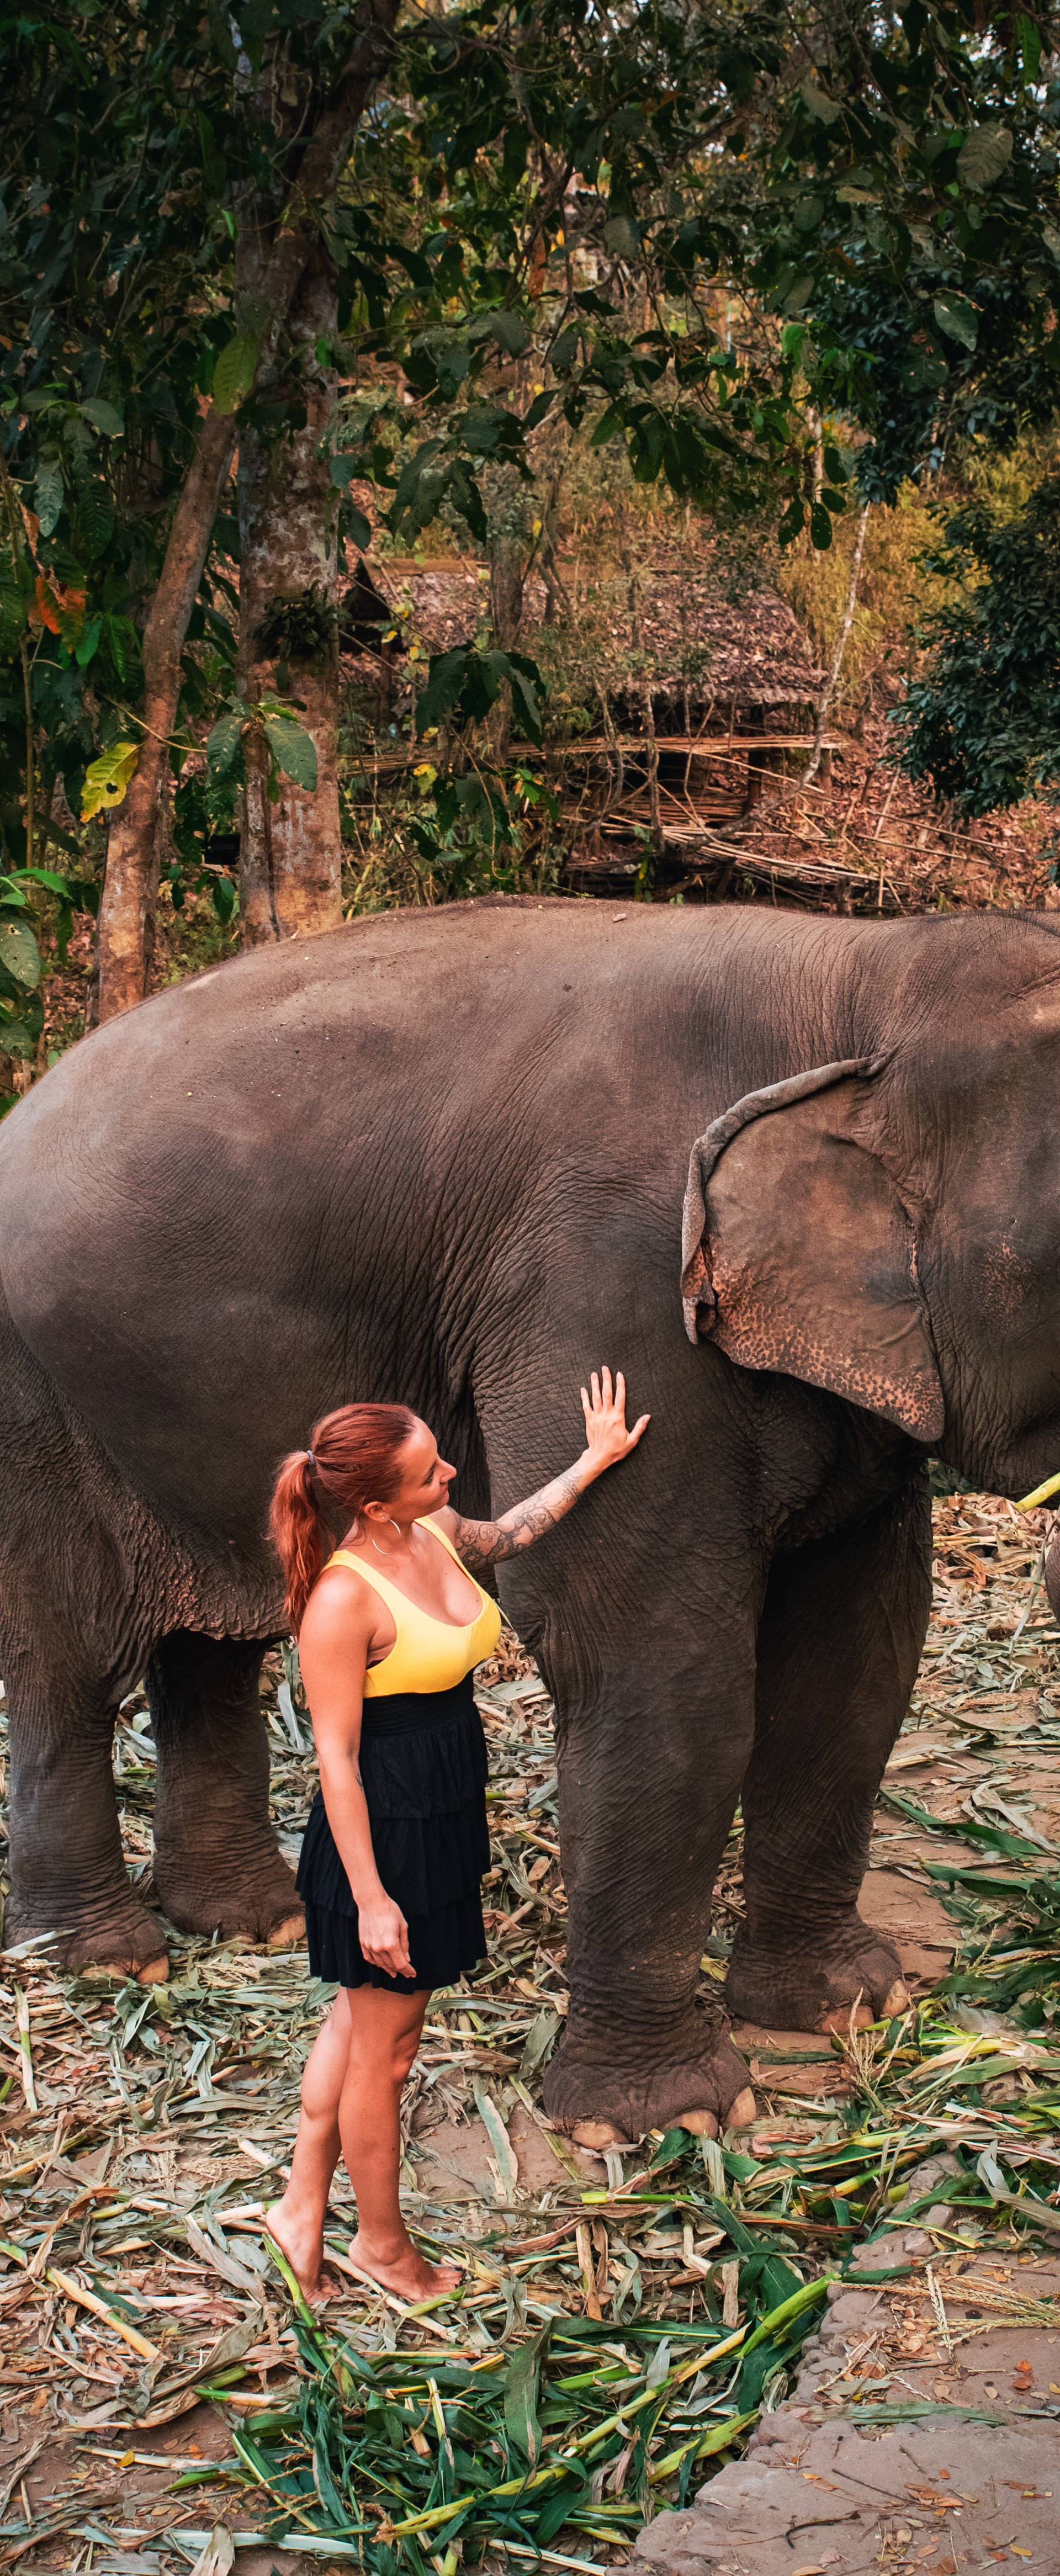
{"type": "Point", "coordinates": [394, 401]}
{"type": "Point", "coordinates": [562, 449]}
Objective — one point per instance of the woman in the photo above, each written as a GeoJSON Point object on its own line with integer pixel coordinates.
{"type": "Point", "coordinates": [390, 1628]}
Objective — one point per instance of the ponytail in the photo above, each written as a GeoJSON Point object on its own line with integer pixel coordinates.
{"type": "Point", "coordinates": [355, 1459]}
{"type": "Point", "coordinates": [298, 1534]}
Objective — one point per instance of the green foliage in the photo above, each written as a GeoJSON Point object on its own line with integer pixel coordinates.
{"type": "Point", "coordinates": [21, 963]}
{"type": "Point", "coordinates": [134, 149]}
{"type": "Point", "coordinates": [909, 221]}
{"type": "Point", "coordinates": [467, 682]}
{"type": "Point", "coordinates": [466, 825]}
{"type": "Point", "coordinates": [111, 250]}
{"type": "Point", "coordinates": [649, 232]}
{"type": "Point", "coordinates": [516, 2442]}
{"type": "Point", "coordinates": [500, 278]}
{"type": "Point", "coordinates": [291, 750]}
{"type": "Point", "coordinates": [983, 721]}
{"type": "Point", "coordinates": [19, 953]}
{"type": "Point", "coordinates": [886, 226]}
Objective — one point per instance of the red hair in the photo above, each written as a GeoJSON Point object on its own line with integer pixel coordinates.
{"type": "Point", "coordinates": [354, 1458]}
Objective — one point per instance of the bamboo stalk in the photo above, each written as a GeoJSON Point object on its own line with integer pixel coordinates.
{"type": "Point", "coordinates": [829, 689]}
{"type": "Point", "coordinates": [25, 2048]}
{"type": "Point", "coordinates": [701, 2446]}
{"type": "Point", "coordinates": [72, 2289]}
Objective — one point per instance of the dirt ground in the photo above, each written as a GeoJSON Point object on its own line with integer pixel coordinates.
{"type": "Point", "coordinates": [144, 2128]}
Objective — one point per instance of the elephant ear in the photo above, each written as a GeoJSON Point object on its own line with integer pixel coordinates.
{"type": "Point", "coordinates": [798, 1254]}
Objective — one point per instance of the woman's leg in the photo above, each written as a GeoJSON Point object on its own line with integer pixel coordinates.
{"type": "Point", "coordinates": [351, 2104]}
{"type": "Point", "coordinates": [384, 2036]}
{"type": "Point", "coordinates": [297, 2221]}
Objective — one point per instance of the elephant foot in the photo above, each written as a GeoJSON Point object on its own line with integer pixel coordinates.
{"type": "Point", "coordinates": [693, 2079]}
{"type": "Point", "coordinates": [817, 1985]}
{"type": "Point", "coordinates": [113, 1937]}
{"type": "Point", "coordinates": [254, 1895]}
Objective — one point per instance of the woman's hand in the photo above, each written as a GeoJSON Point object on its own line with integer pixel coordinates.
{"type": "Point", "coordinates": [606, 1437]}
{"type": "Point", "coordinates": [384, 1935]}
{"type": "Point", "coordinates": [606, 1441]}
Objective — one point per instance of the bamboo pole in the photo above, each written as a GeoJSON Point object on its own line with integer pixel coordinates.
{"type": "Point", "coordinates": [831, 683]}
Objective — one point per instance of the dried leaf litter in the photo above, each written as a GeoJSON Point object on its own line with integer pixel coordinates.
{"type": "Point", "coordinates": [621, 2321]}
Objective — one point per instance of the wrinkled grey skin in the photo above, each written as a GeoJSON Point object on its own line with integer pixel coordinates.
{"type": "Point", "coordinates": [443, 1157]}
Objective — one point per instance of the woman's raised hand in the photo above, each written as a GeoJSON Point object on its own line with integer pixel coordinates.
{"type": "Point", "coordinates": [604, 1406]}
{"type": "Point", "coordinates": [606, 1441]}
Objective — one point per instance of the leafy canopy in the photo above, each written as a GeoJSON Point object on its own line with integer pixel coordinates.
{"type": "Point", "coordinates": [983, 725]}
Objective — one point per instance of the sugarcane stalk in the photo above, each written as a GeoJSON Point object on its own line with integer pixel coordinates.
{"type": "Point", "coordinates": [702, 2444]}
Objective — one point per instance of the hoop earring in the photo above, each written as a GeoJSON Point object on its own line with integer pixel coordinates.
{"type": "Point", "coordinates": [384, 1551]}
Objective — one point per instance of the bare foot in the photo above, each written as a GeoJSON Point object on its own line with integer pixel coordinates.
{"type": "Point", "coordinates": [402, 2268]}
{"type": "Point", "coordinates": [303, 2246]}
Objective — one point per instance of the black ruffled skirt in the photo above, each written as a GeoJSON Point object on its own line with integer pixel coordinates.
{"type": "Point", "coordinates": [424, 1768]}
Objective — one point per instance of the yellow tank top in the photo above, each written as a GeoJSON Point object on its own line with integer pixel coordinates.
{"type": "Point", "coordinates": [427, 1654]}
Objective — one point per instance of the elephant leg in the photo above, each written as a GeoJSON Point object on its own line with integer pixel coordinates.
{"type": "Point", "coordinates": [218, 1867]}
{"type": "Point", "coordinates": [838, 1649]}
{"type": "Point", "coordinates": [651, 1755]}
{"type": "Point", "coordinates": [643, 1620]}
{"type": "Point", "coordinates": [67, 1874]}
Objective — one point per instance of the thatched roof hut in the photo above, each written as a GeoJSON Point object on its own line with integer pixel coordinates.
{"type": "Point", "coordinates": [666, 633]}
{"type": "Point", "coordinates": [717, 663]}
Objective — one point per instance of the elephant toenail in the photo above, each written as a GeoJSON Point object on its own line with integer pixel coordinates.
{"type": "Point", "coordinates": [743, 2110]}
{"type": "Point", "coordinates": [843, 2018]}
{"type": "Point", "coordinates": [701, 2124]}
{"type": "Point", "coordinates": [598, 2134]}
{"type": "Point", "coordinates": [896, 2001]}
{"type": "Point", "coordinates": [287, 1934]}
{"type": "Point", "coordinates": [156, 1972]}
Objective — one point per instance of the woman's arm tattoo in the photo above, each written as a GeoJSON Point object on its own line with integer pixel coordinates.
{"type": "Point", "coordinates": [491, 1542]}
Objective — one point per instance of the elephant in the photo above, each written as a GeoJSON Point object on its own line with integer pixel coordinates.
{"type": "Point", "coordinates": [794, 1174]}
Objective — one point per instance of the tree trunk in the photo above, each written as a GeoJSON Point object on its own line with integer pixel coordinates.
{"type": "Point", "coordinates": [507, 577]}
{"type": "Point", "coordinates": [272, 280]}
{"type": "Point", "coordinates": [130, 887]}
{"type": "Point", "coordinates": [290, 852]}
{"type": "Point", "coordinates": [507, 549]}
